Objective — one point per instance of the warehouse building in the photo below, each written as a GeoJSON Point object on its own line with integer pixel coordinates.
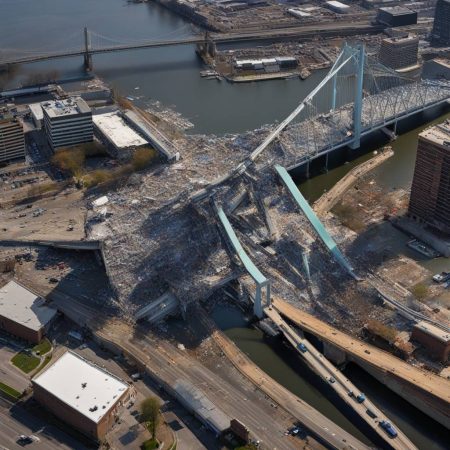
{"type": "Point", "coordinates": [338, 7]}
{"type": "Point", "coordinates": [82, 394]}
{"type": "Point", "coordinates": [434, 339]}
{"type": "Point", "coordinates": [118, 136]}
{"type": "Point", "coordinates": [396, 16]}
{"type": "Point", "coordinates": [440, 35]}
{"type": "Point", "coordinates": [23, 314]}
{"type": "Point", "coordinates": [67, 122]}
{"type": "Point", "coordinates": [12, 140]}
{"type": "Point", "coordinates": [430, 191]}
{"type": "Point", "coordinates": [399, 52]}
{"type": "Point", "coordinates": [195, 401]}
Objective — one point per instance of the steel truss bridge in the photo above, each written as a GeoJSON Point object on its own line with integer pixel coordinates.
{"type": "Point", "coordinates": [356, 97]}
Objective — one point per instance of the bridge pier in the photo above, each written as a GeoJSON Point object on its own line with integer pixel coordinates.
{"type": "Point", "coordinates": [357, 108]}
{"type": "Point", "coordinates": [87, 50]}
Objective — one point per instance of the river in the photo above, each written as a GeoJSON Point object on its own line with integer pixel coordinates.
{"type": "Point", "coordinates": [171, 76]}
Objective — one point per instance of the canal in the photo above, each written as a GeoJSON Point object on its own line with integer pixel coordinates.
{"type": "Point", "coordinates": [171, 76]}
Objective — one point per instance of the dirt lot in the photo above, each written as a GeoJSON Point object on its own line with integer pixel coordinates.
{"type": "Point", "coordinates": [56, 218]}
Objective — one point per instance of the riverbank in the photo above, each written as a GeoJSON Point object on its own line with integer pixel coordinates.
{"type": "Point", "coordinates": [330, 198]}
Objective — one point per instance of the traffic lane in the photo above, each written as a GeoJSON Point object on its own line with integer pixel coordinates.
{"type": "Point", "coordinates": [9, 374]}
{"type": "Point", "coordinates": [16, 421]}
{"type": "Point", "coordinates": [190, 433]}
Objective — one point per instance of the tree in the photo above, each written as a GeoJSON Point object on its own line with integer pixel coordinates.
{"type": "Point", "coordinates": [420, 292]}
{"type": "Point", "coordinates": [150, 411]}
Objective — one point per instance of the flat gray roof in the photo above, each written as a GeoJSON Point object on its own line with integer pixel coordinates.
{"type": "Point", "coordinates": [68, 107]}
{"type": "Point", "coordinates": [22, 306]}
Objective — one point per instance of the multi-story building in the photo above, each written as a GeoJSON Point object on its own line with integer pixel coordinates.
{"type": "Point", "coordinates": [67, 122]}
{"type": "Point", "coordinates": [399, 52]}
{"type": "Point", "coordinates": [430, 191]}
{"type": "Point", "coordinates": [440, 34]}
{"type": "Point", "coordinates": [82, 394]}
{"type": "Point", "coordinates": [12, 141]}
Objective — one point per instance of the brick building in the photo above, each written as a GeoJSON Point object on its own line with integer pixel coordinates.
{"type": "Point", "coordinates": [23, 314]}
{"type": "Point", "coordinates": [81, 394]}
{"type": "Point", "coordinates": [435, 340]}
{"type": "Point", "coordinates": [440, 34]}
{"type": "Point", "coordinates": [399, 52]}
{"type": "Point", "coordinates": [430, 191]}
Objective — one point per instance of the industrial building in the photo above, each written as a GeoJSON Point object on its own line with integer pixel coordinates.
{"type": "Point", "coordinates": [338, 7]}
{"type": "Point", "coordinates": [194, 400]}
{"type": "Point", "coordinates": [436, 68]}
{"type": "Point", "coordinates": [111, 128]}
{"type": "Point", "coordinates": [267, 65]}
{"type": "Point", "coordinates": [396, 16]}
{"type": "Point", "coordinates": [12, 140]}
{"type": "Point", "coordinates": [82, 394]}
{"type": "Point", "coordinates": [67, 122]}
{"type": "Point", "coordinates": [399, 52]}
{"type": "Point", "coordinates": [434, 339]}
{"type": "Point", "coordinates": [440, 34]}
{"type": "Point", "coordinates": [23, 314]}
{"type": "Point", "coordinates": [430, 191]}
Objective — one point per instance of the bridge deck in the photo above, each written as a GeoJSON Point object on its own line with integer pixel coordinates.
{"type": "Point", "coordinates": [341, 384]}
{"type": "Point", "coordinates": [432, 391]}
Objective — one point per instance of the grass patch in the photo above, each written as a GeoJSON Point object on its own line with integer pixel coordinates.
{"type": "Point", "coordinates": [11, 392]}
{"type": "Point", "coordinates": [26, 363]}
{"type": "Point", "coordinates": [150, 444]}
{"type": "Point", "coordinates": [420, 292]}
{"type": "Point", "coordinates": [43, 347]}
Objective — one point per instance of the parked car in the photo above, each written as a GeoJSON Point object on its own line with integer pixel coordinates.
{"type": "Point", "coordinates": [441, 277]}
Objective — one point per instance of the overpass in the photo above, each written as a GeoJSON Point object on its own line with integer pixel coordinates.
{"type": "Point", "coordinates": [428, 392]}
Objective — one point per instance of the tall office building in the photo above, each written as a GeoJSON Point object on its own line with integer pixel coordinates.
{"type": "Point", "coordinates": [440, 34]}
{"type": "Point", "coordinates": [67, 122]}
{"type": "Point", "coordinates": [399, 52]}
{"type": "Point", "coordinates": [12, 141]}
{"type": "Point", "coordinates": [430, 191]}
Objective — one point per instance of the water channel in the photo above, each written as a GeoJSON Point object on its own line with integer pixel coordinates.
{"type": "Point", "coordinates": [171, 76]}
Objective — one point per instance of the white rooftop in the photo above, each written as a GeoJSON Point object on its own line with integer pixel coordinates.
{"type": "Point", "coordinates": [82, 385]}
{"type": "Point", "coordinates": [72, 106]}
{"type": "Point", "coordinates": [337, 4]}
{"type": "Point", "coordinates": [22, 306]}
{"type": "Point", "coordinates": [117, 131]}
{"type": "Point", "coordinates": [36, 110]}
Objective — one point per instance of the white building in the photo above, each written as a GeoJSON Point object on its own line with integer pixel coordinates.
{"type": "Point", "coordinates": [338, 7]}
{"type": "Point", "coordinates": [67, 122]}
{"type": "Point", "coordinates": [116, 132]}
{"type": "Point", "coordinates": [81, 394]}
{"type": "Point", "coordinates": [37, 114]}
{"type": "Point", "coordinates": [24, 314]}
